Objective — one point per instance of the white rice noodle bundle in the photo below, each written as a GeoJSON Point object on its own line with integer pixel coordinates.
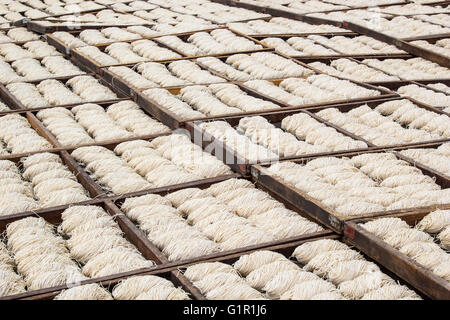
{"type": "Point", "coordinates": [248, 263]}
{"type": "Point", "coordinates": [85, 292]}
{"type": "Point", "coordinates": [198, 271]}
{"type": "Point", "coordinates": [43, 267]}
{"type": "Point", "coordinates": [104, 253]}
{"type": "Point", "coordinates": [60, 187]}
{"type": "Point", "coordinates": [259, 277]}
{"type": "Point", "coordinates": [391, 292]}
{"type": "Point", "coordinates": [307, 251]}
{"type": "Point", "coordinates": [10, 282]}
{"type": "Point", "coordinates": [19, 137]}
{"type": "Point", "coordinates": [131, 288]}
{"type": "Point", "coordinates": [163, 293]}
{"type": "Point", "coordinates": [435, 222]}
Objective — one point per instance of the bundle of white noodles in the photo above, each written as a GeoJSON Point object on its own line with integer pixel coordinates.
{"type": "Point", "coordinates": [332, 271]}
{"type": "Point", "coordinates": [366, 183]}
{"type": "Point", "coordinates": [312, 90]}
{"type": "Point", "coordinates": [61, 67]}
{"type": "Point", "coordinates": [173, 153]}
{"type": "Point", "coordinates": [61, 123]}
{"type": "Point", "coordinates": [298, 47]}
{"type": "Point", "coordinates": [22, 35]}
{"type": "Point", "coordinates": [48, 67]}
{"type": "Point", "coordinates": [41, 255]}
{"type": "Point", "coordinates": [439, 47]}
{"type": "Point", "coordinates": [441, 19]}
{"type": "Point", "coordinates": [438, 222]}
{"type": "Point", "coordinates": [352, 70]}
{"type": "Point", "coordinates": [417, 244]}
{"type": "Point", "coordinates": [281, 26]}
{"type": "Point", "coordinates": [312, 6]}
{"type": "Point", "coordinates": [182, 26]}
{"type": "Point", "coordinates": [167, 229]}
{"type": "Point", "coordinates": [216, 99]}
{"type": "Point", "coordinates": [218, 13]}
{"type": "Point", "coordinates": [8, 74]}
{"type": "Point", "coordinates": [259, 65]}
{"type": "Point", "coordinates": [440, 86]}
{"type": "Point", "coordinates": [129, 116]}
{"type": "Point", "coordinates": [16, 195]}
{"type": "Point", "coordinates": [97, 55]}
{"type": "Point", "coordinates": [13, 17]}
{"type": "Point", "coordinates": [41, 49]}
{"type": "Point", "coordinates": [18, 135]}
{"type": "Point", "coordinates": [403, 27]}
{"type": "Point", "coordinates": [68, 39]}
{"type": "Point", "coordinates": [11, 52]}
{"type": "Point", "coordinates": [91, 291]}
{"type": "Point", "coordinates": [95, 240]}
{"type": "Point", "coordinates": [415, 68]}
{"type": "Point", "coordinates": [94, 37]}
{"type": "Point", "coordinates": [3, 37]}
{"type": "Point", "coordinates": [10, 282]}
{"type": "Point", "coordinates": [391, 123]}
{"type": "Point", "coordinates": [139, 51]}
{"type": "Point", "coordinates": [427, 96]}
{"type": "Point", "coordinates": [165, 161]}
{"type": "Point", "coordinates": [54, 92]}
{"type": "Point", "coordinates": [356, 45]}
{"type": "Point", "coordinates": [90, 89]}
{"type": "Point", "coordinates": [224, 132]}
{"type": "Point", "coordinates": [304, 135]}
{"type": "Point", "coordinates": [412, 9]}
{"type": "Point", "coordinates": [109, 170]}
{"type": "Point", "coordinates": [197, 217]}
{"type": "Point", "coordinates": [214, 42]}
{"type": "Point", "coordinates": [133, 6]}
{"type": "Point", "coordinates": [219, 281]}
{"type": "Point", "coordinates": [438, 159]}
{"type": "Point", "coordinates": [177, 73]}
{"type": "Point", "coordinates": [148, 288]}
{"type": "Point", "coordinates": [53, 183]}
{"type": "Point", "coordinates": [355, 277]}
{"type": "Point", "coordinates": [121, 120]}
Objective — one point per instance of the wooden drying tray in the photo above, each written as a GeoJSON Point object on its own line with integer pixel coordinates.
{"type": "Point", "coordinates": [442, 175]}
{"type": "Point", "coordinates": [394, 86]}
{"type": "Point", "coordinates": [119, 200]}
{"type": "Point", "coordinates": [40, 28]}
{"type": "Point", "coordinates": [37, 26]}
{"type": "Point", "coordinates": [316, 208]}
{"type": "Point", "coordinates": [238, 161]}
{"type": "Point", "coordinates": [359, 59]}
{"type": "Point", "coordinates": [174, 121]}
{"type": "Point", "coordinates": [131, 233]}
{"type": "Point", "coordinates": [403, 43]}
{"type": "Point", "coordinates": [373, 104]}
{"type": "Point", "coordinates": [399, 263]}
{"type": "Point", "coordinates": [71, 164]}
{"type": "Point", "coordinates": [305, 17]}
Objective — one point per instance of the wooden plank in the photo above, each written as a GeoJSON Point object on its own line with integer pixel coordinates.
{"type": "Point", "coordinates": [317, 209]}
